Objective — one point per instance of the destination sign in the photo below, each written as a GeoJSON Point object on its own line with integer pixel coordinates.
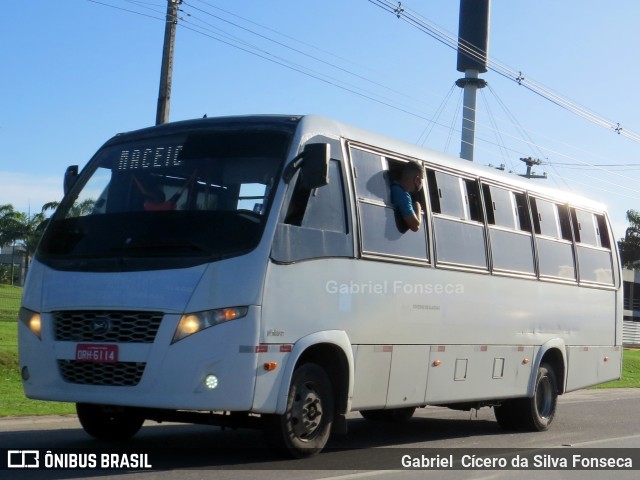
{"type": "Point", "coordinates": [149, 158]}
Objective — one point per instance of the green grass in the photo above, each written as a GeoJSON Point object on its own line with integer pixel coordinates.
{"type": "Point", "coordinates": [630, 371]}
{"type": "Point", "coordinates": [12, 399]}
{"type": "Point", "coordinates": [13, 402]}
{"type": "Point", "coordinates": [9, 302]}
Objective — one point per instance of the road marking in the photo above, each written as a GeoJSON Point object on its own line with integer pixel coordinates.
{"type": "Point", "coordinates": [602, 440]}
{"type": "Point", "coordinates": [361, 475]}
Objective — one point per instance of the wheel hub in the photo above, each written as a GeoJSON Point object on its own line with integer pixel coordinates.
{"type": "Point", "coordinates": [306, 413]}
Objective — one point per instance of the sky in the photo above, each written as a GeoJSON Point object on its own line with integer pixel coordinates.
{"type": "Point", "coordinates": [76, 72]}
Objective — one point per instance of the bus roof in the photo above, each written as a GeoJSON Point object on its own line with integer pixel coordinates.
{"type": "Point", "coordinates": [349, 132]}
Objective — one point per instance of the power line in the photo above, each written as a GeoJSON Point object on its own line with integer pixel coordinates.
{"type": "Point", "coordinates": [215, 33]}
{"type": "Point", "coordinates": [453, 42]}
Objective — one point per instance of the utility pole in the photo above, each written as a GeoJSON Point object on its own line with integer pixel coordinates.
{"type": "Point", "coordinates": [166, 71]}
{"type": "Point", "coordinates": [473, 44]}
{"type": "Point", "coordinates": [530, 162]}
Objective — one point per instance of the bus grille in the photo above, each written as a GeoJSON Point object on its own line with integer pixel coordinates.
{"type": "Point", "coordinates": [122, 374]}
{"type": "Point", "coordinates": [108, 326]}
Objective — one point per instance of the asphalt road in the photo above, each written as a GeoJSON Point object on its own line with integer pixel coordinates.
{"type": "Point", "coordinates": [586, 420]}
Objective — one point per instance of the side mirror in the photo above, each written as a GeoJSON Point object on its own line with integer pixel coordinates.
{"type": "Point", "coordinates": [314, 165]}
{"type": "Point", "coordinates": [70, 177]}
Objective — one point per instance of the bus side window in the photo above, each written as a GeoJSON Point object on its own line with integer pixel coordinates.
{"type": "Point", "coordinates": [321, 208]}
{"type": "Point", "coordinates": [509, 229]}
{"type": "Point", "coordinates": [552, 226]}
{"type": "Point", "coordinates": [379, 227]}
{"type": "Point", "coordinates": [326, 205]}
{"type": "Point", "coordinates": [315, 223]}
{"type": "Point", "coordinates": [458, 220]}
{"type": "Point", "coordinates": [593, 247]}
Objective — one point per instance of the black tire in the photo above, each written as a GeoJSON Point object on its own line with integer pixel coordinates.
{"type": "Point", "coordinates": [507, 415]}
{"type": "Point", "coordinates": [535, 413]}
{"type": "Point", "coordinates": [540, 409]}
{"type": "Point", "coordinates": [392, 415]}
{"type": "Point", "coordinates": [108, 422]}
{"type": "Point", "coordinates": [304, 429]}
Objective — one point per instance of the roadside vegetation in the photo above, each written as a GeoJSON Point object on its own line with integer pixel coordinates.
{"type": "Point", "coordinates": [12, 399]}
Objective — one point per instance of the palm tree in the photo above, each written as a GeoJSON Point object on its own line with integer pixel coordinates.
{"type": "Point", "coordinates": [10, 225]}
{"type": "Point", "coordinates": [20, 227]}
{"type": "Point", "coordinates": [77, 210]}
{"type": "Point", "coordinates": [630, 244]}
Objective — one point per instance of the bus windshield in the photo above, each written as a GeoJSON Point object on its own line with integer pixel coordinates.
{"type": "Point", "coordinates": [167, 202]}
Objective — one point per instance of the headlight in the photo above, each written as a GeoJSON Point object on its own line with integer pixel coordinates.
{"type": "Point", "coordinates": [32, 320]}
{"type": "Point", "coordinates": [191, 323]}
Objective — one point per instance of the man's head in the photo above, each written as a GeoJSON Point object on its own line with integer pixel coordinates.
{"type": "Point", "coordinates": [412, 176]}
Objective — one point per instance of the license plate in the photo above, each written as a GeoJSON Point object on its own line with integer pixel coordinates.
{"type": "Point", "coordinates": [96, 353]}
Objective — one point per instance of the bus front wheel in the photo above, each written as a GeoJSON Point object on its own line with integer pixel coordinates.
{"type": "Point", "coordinates": [108, 422]}
{"type": "Point", "coordinates": [305, 426]}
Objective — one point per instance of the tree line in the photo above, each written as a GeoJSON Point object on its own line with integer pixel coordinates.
{"type": "Point", "coordinates": [23, 230]}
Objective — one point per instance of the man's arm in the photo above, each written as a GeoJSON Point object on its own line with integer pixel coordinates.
{"type": "Point", "coordinates": [413, 221]}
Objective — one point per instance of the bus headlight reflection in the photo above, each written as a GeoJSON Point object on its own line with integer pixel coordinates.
{"type": "Point", "coordinates": [191, 323]}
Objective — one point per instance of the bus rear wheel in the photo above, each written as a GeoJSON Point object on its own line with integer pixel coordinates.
{"type": "Point", "coordinates": [535, 413]}
{"type": "Point", "coordinates": [109, 422]}
{"type": "Point", "coordinates": [304, 428]}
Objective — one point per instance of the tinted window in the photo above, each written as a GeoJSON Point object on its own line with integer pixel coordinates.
{"type": "Point", "coordinates": [458, 224]}
{"type": "Point", "coordinates": [593, 247]}
{"type": "Point", "coordinates": [511, 243]}
{"type": "Point", "coordinates": [512, 251]}
{"type": "Point", "coordinates": [590, 228]}
{"type": "Point", "coordinates": [595, 265]}
{"type": "Point", "coordinates": [170, 200]}
{"type": "Point", "coordinates": [321, 208]}
{"type": "Point", "coordinates": [379, 223]}
{"type": "Point", "coordinates": [371, 175]}
{"type": "Point", "coordinates": [459, 243]}
{"type": "Point", "coordinates": [545, 218]}
{"type": "Point", "coordinates": [315, 222]}
{"type": "Point", "coordinates": [556, 259]}
{"type": "Point", "coordinates": [380, 233]}
{"type": "Point", "coordinates": [449, 191]}
{"type": "Point", "coordinates": [500, 207]}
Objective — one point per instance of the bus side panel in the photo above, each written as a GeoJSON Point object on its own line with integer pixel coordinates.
{"type": "Point", "coordinates": [268, 381]}
{"type": "Point", "coordinates": [592, 365]}
{"type": "Point", "coordinates": [408, 379]}
{"type": "Point", "coordinates": [372, 367]}
{"type": "Point", "coordinates": [460, 373]}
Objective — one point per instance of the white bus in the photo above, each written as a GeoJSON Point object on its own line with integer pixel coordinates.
{"type": "Point", "coordinates": [250, 271]}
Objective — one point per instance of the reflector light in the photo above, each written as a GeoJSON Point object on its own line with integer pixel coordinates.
{"type": "Point", "coordinates": [270, 366]}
